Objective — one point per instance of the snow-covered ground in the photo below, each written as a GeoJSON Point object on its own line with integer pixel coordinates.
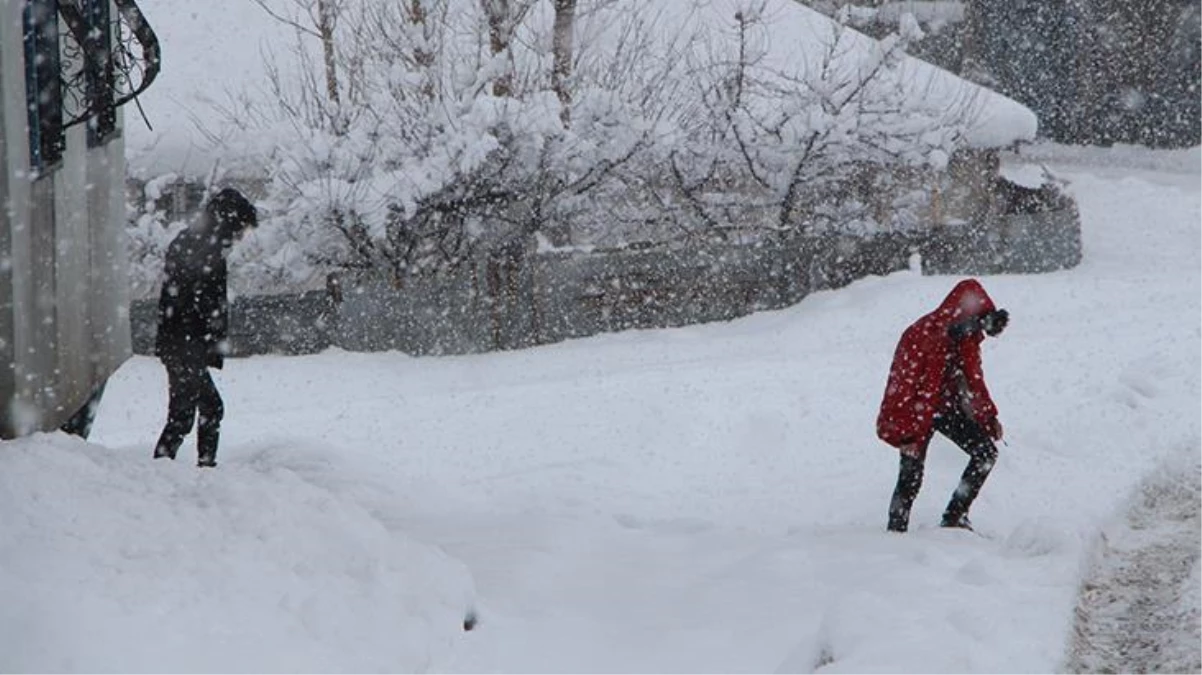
{"type": "Point", "coordinates": [703, 499]}
{"type": "Point", "coordinates": [1139, 609]}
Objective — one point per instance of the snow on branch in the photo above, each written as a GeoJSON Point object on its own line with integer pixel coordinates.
{"type": "Point", "coordinates": [411, 136]}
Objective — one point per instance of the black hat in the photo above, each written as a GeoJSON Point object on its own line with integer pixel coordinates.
{"type": "Point", "coordinates": [232, 213]}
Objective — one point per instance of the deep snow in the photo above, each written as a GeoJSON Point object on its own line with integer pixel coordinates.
{"type": "Point", "coordinates": [709, 498]}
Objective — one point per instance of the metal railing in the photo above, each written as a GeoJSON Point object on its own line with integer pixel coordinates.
{"type": "Point", "coordinates": [113, 59]}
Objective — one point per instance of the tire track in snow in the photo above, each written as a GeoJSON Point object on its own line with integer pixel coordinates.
{"type": "Point", "coordinates": [1138, 610]}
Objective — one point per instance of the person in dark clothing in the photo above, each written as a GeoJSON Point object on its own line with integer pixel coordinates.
{"type": "Point", "coordinates": [936, 385]}
{"type": "Point", "coordinates": [192, 322]}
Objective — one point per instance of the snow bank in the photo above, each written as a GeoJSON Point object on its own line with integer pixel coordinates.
{"type": "Point", "coordinates": [113, 563]}
{"type": "Point", "coordinates": [1139, 609]}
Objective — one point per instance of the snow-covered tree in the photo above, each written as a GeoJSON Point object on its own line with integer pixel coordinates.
{"type": "Point", "coordinates": [450, 130]}
{"type": "Point", "coordinates": [806, 139]}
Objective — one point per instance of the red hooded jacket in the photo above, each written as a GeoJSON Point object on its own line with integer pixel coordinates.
{"type": "Point", "coordinates": [916, 389]}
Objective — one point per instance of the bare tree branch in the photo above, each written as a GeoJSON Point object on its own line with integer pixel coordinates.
{"type": "Point", "coordinates": [300, 27]}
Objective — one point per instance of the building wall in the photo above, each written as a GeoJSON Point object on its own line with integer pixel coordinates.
{"type": "Point", "coordinates": [108, 264]}
{"type": "Point", "coordinates": [63, 291]}
{"type": "Point", "coordinates": [6, 287]}
{"type": "Point", "coordinates": [16, 284]}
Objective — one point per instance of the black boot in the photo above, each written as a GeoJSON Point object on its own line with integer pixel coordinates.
{"type": "Point", "coordinates": [206, 445]}
{"type": "Point", "coordinates": [960, 521]}
{"type": "Point", "coordinates": [173, 435]}
{"type": "Point", "coordinates": [956, 513]}
{"type": "Point", "coordinates": [208, 428]}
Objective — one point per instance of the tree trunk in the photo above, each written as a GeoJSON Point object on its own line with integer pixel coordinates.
{"type": "Point", "coordinates": [326, 19]}
{"type": "Point", "coordinates": [972, 57]}
{"type": "Point", "coordinates": [423, 56]}
{"type": "Point", "coordinates": [498, 40]}
{"type": "Point", "coordinates": [561, 47]}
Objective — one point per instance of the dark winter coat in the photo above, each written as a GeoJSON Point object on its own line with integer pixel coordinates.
{"type": "Point", "coordinates": [193, 312]}
{"type": "Point", "coordinates": [930, 353]}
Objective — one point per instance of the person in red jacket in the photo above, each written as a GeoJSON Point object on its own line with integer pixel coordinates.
{"type": "Point", "coordinates": [936, 385]}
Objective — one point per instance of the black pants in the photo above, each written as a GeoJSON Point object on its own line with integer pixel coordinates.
{"type": "Point", "coordinates": [80, 423]}
{"type": "Point", "coordinates": [982, 453]}
{"type": "Point", "coordinates": [191, 391]}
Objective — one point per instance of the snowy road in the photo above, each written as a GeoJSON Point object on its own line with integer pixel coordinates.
{"type": "Point", "coordinates": [703, 499]}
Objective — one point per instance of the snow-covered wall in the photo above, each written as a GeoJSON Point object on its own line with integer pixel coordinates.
{"type": "Point", "coordinates": [549, 297]}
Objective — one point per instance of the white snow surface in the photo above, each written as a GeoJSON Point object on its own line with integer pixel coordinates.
{"type": "Point", "coordinates": [112, 565]}
{"type": "Point", "coordinates": [702, 499]}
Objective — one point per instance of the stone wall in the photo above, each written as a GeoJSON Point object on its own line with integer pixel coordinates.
{"type": "Point", "coordinates": [551, 297]}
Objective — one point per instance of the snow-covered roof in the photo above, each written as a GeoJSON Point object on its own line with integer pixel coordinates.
{"type": "Point", "coordinates": [797, 43]}
{"type": "Point", "coordinates": [936, 13]}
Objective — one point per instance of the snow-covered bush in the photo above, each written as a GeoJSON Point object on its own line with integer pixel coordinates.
{"type": "Point", "coordinates": [423, 156]}
{"type": "Point", "coordinates": [149, 232]}
{"type": "Point", "coordinates": [416, 135]}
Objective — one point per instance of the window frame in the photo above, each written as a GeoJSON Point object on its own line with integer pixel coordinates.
{"type": "Point", "coordinates": [43, 86]}
{"type": "Point", "coordinates": [98, 66]}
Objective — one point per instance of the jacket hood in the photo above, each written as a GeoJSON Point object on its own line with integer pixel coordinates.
{"type": "Point", "coordinates": [227, 214]}
{"type": "Point", "coordinates": [967, 300]}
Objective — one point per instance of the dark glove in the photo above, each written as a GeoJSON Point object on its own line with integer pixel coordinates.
{"type": "Point", "coordinates": [994, 428]}
{"type": "Point", "coordinates": [216, 355]}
